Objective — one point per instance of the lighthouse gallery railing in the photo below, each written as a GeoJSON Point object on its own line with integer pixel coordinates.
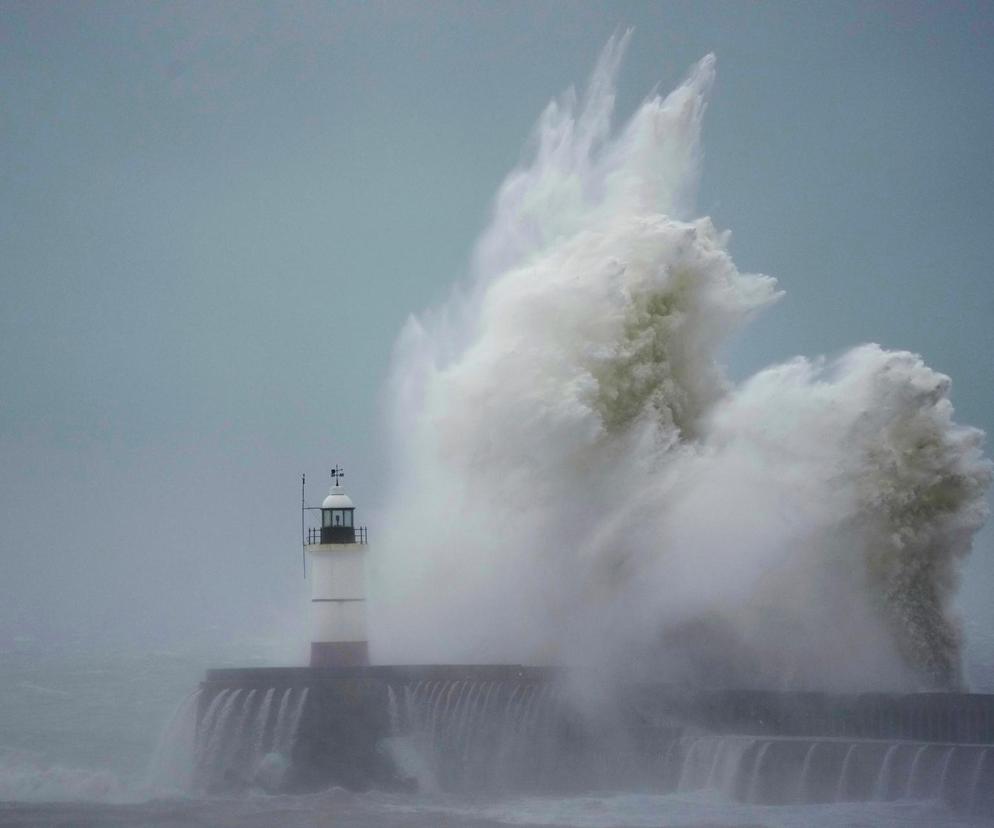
{"type": "Point", "coordinates": [313, 535]}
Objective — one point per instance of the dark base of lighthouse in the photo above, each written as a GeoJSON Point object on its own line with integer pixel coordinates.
{"type": "Point", "coordinates": [508, 727]}
{"type": "Point", "coordinates": [339, 653]}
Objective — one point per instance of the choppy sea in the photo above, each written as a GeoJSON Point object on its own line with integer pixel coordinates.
{"type": "Point", "coordinates": [77, 732]}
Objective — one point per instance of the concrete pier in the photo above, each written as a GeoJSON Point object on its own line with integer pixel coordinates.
{"type": "Point", "coordinates": [542, 728]}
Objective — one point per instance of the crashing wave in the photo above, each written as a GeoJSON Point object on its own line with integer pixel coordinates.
{"type": "Point", "coordinates": [576, 479]}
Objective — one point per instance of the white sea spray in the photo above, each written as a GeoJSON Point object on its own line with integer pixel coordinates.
{"type": "Point", "coordinates": [577, 481]}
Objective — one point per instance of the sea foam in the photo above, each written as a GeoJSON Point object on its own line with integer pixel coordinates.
{"type": "Point", "coordinates": [577, 481]}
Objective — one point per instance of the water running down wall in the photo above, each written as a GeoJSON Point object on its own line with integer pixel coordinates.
{"type": "Point", "coordinates": [532, 730]}
{"type": "Point", "coordinates": [228, 739]}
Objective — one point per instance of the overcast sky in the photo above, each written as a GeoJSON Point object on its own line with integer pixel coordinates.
{"type": "Point", "coordinates": [215, 218]}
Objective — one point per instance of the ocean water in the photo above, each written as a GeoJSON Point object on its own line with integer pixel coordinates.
{"type": "Point", "coordinates": [77, 734]}
{"type": "Point", "coordinates": [78, 724]}
{"type": "Point", "coordinates": [340, 808]}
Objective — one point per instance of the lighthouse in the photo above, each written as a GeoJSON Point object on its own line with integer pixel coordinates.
{"type": "Point", "coordinates": [337, 553]}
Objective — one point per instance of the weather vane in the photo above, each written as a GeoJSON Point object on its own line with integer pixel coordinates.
{"type": "Point", "coordinates": [337, 473]}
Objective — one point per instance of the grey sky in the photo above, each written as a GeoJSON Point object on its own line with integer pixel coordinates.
{"type": "Point", "coordinates": [215, 217]}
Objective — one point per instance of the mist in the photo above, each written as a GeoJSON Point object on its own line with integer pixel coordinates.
{"type": "Point", "coordinates": [577, 481]}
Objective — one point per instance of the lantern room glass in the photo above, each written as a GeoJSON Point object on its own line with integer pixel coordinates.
{"type": "Point", "coordinates": [337, 518]}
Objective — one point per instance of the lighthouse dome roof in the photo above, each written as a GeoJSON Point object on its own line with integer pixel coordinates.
{"type": "Point", "coordinates": [337, 499]}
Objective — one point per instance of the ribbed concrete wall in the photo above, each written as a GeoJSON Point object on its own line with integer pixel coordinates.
{"type": "Point", "coordinates": [350, 711]}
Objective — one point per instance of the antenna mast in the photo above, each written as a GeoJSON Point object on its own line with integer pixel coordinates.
{"type": "Point", "coordinates": [303, 539]}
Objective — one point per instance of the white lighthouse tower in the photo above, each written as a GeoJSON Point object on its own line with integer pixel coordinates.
{"type": "Point", "coordinates": [337, 552]}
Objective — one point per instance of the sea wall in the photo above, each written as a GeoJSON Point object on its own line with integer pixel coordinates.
{"type": "Point", "coordinates": [338, 732]}
{"type": "Point", "coordinates": [538, 729]}
{"type": "Point", "coordinates": [923, 717]}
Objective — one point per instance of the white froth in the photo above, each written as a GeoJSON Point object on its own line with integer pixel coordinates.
{"type": "Point", "coordinates": [577, 481]}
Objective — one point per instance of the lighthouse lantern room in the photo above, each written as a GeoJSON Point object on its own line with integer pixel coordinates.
{"type": "Point", "coordinates": [337, 554]}
{"type": "Point", "coordinates": [337, 517]}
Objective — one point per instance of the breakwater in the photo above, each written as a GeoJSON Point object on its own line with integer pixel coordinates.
{"type": "Point", "coordinates": [513, 728]}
